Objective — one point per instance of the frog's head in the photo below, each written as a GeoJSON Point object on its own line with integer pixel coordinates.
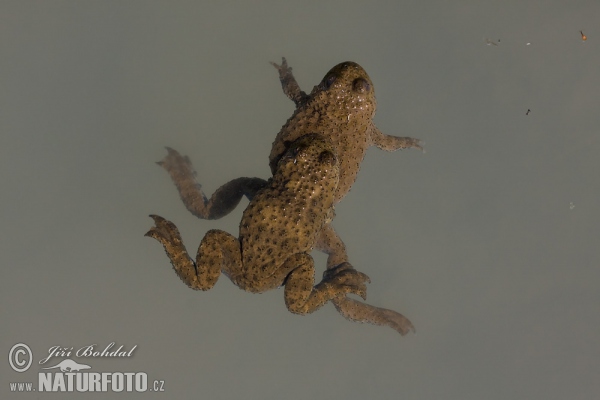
{"type": "Point", "coordinates": [348, 85]}
{"type": "Point", "coordinates": [311, 152]}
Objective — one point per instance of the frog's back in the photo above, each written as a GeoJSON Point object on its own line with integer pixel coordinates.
{"type": "Point", "coordinates": [286, 216]}
{"type": "Point", "coordinates": [341, 108]}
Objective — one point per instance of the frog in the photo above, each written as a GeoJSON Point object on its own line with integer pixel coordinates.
{"type": "Point", "coordinates": [279, 228]}
{"type": "Point", "coordinates": [341, 107]}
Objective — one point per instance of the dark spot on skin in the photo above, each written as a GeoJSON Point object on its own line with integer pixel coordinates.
{"type": "Point", "coordinates": [285, 217]}
{"type": "Point", "coordinates": [360, 85]}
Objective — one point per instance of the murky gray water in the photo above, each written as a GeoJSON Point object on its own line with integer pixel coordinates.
{"type": "Point", "coordinates": [488, 242]}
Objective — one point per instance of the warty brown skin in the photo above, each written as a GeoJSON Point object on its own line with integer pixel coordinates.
{"type": "Point", "coordinates": [341, 107]}
{"type": "Point", "coordinates": [281, 225]}
{"type": "Point", "coordinates": [278, 230]}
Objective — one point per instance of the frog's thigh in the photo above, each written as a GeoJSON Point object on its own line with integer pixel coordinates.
{"type": "Point", "coordinates": [218, 251]}
{"type": "Point", "coordinates": [299, 282]}
{"type": "Point", "coordinates": [227, 197]}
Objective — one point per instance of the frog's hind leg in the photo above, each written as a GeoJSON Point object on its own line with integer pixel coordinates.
{"type": "Point", "coordinates": [302, 297]}
{"type": "Point", "coordinates": [218, 252]}
{"type": "Point", "coordinates": [361, 312]}
{"type": "Point", "coordinates": [330, 243]}
{"type": "Point", "coordinates": [221, 203]}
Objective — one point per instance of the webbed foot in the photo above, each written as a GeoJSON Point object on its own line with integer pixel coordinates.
{"type": "Point", "coordinates": [177, 165]}
{"type": "Point", "coordinates": [344, 275]}
{"type": "Point", "coordinates": [167, 234]}
{"type": "Point", "coordinates": [361, 312]}
{"type": "Point", "coordinates": [218, 251]}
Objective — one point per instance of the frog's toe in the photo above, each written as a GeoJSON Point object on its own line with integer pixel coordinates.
{"type": "Point", "coordinates": [418, 144]}
{"type": "Point", "coordinates": [411, 143]}
{"type": "Point", "coordinates": [283, 67]}
{"type": "Point", "coordinates": [360, 290]}
{"type": "Point", "coordinates": [399, 322]}
{"type": "Point", "coordinates": [348, 279]}
{"type": "Point", "coordinates": [163, 230]}
{"type": "Point", "coordinates": [345, 270]}
{"type": "Point", "coordinates": [176, 164]}
{"type": "Point", "coordinates": [350, 287]}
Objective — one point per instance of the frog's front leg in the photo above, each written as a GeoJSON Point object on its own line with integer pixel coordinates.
{"type": "Point", "coordinates": [288, 83]}
{"type": "Point", "coordinates": [221, 203]}
{"type": "Point", "coordinates": [392, 143]}
{"type": "Point", "coordinates": [218, 252]}
{"type": "Point", "coordinates": [302, 297]}
{"type": "Point", "coordinates": [361, 312]}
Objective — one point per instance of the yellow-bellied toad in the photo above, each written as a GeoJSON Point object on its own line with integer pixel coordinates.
{"type": "Point", "coordinates": [278, 230]}
{"type": "Point", "coordinates": [341, 108]}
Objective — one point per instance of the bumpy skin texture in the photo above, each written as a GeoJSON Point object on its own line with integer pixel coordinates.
{"type": "Point", "coordinates": [341, 108]}
{"type": "Point", "coordinates": [278, 230]}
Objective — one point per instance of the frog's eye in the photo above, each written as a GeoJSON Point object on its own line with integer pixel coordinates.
{"type": "Point", "coordinates": [327, 82]}
{"type": "Point", "coordinates": [360, 85]}
{"type": "Point", "coordinates": [290, 154]}
{"type": "Point", "coordinates": [327, 157]}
